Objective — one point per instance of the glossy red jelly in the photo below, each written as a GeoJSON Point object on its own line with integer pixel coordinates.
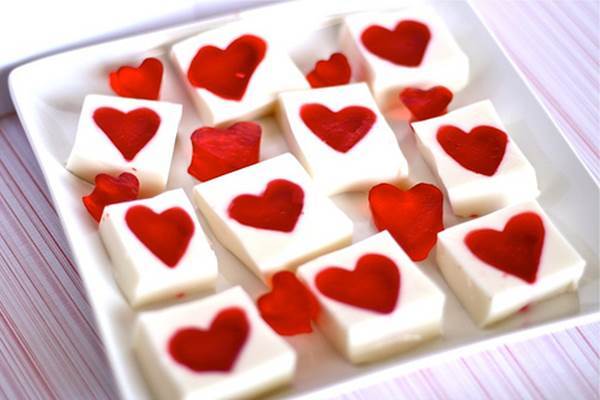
{"type": "Point", "coordinates": [481, 150]}
{"type": "Point", "coordinates": [374, 284]}
{"type": "Point", "coordinates": [129, 131]}
{"type": "Point", "coordinates": [516, 250]}
{"type": "Point", "coordinates": [110, 190]}
{"type": "Point", "coordinates": [290, 307]}
{"type": "Point", "coordinates": [142, 82]}
{"type": "Point", "coordinates": [226, 73]}
{"type": "Point", "coordinates": [167, 235]}
{"type": "Point", "coordinates": [217, 151]}
{"type": "Point", "coordinates": [214, 349]}
{"type": "Point", "coordinates": [342, 129]}
{"type": "Point", "coordinates": [425, 104]}
{"type": "Point", "coordinates": [332, 72]}
{"type": "Point", "coordinates": [413, 217]}
{"type": "Point", "coordinates": [278, 208]}
{"type": "Point", "coordinates": [404, 46]}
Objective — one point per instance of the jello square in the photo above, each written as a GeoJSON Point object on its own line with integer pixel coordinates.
{"type": "Point", "coordinates": [500, 263]}
{"type": "Point", "coordinates": [335, 132]}
{"type": "Point", "coordinates": [235, 72]}
{"type": "Point", "coordinates": [395, 50]}
{"type": "Point", "coordinates": [271, 216]}
{"type": "Point", "coordinates": [117, 134]}
{"type": "Point", "coordinates": [158, 249]}
{"type": "Point", "coordinates": [478, 163]}
{"type": "Point", "coordinates": [214, 348]}
{"type": "Point", "coordinates": [374, 300]}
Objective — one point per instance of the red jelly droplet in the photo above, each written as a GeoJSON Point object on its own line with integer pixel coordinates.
{"type": "Point", "coordinates": [219, 151]}
{"type": "Point", "coordinates": [166, 235]}
{"type": "Point", "coordinates": [341, 130]}
{"type": "Point", "coordinates": [129, 131]}
{"type": "Point", "coordinates": [481, 150]}
{"type": "Point", "coordinates": [413, 217]}
{"type": "Point", "coordinates": [425, 104]}
{"type": "Point", "coordinates": [290, 306]}
{"type": "Point", "coordinates": [226, 73]}
{"type": "Point", "coordinates": [214, 349]}
{"type": "Point", "coordinates": [515, 250]}
{"type": "Point", "coordinates": [278, 208]}
{"type": "Point", "coordinates": [373, 285]}
{"type": "Point", "coordinates": [405, 45]}
{"type": "Point", "coordinates": [142, 82]}
{"type": "Point", "coordinates": [332, 72]}
{"type": "Point", "coordinates": [109, 190]}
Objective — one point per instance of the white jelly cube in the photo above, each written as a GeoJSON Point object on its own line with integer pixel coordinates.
{"type": "Point", "coordinates": [363, 329]}
{"type": "Point", "coordinates": [473, 187]}
{"type": "Point", "coordinates": [117, 134]}
{"type": "Point", "coordinates": [318, 124]}
{"type": "Point", "coordinates": [271, 216]}
{"type": "Point", "coordinates": [235, 72]}
{"type": "Point", "coordinates": [533, 261]}
{"type": "Point", "coordinates": [165, 346]}
{"type": "Point", "coordinates": [158, 249]}
{"type": "Point", "coordinates": [412, 47]}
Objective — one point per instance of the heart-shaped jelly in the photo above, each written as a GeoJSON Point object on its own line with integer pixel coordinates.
{"type": "Point", "coordinates": [142, 82]}
{"type": "Point", "coordinates": [278, 208]}
{"type": "Point", "coordinates": [374, 283]}
{"type": "Point", "coordinates": [217, 151]}
{"type": "Point", "coordinates": [214, 349]}
{"type": "Point", "coordinates": [290, 307]}
{"type": "Point", "coordinates": [110, 190]}
{"type": "Point", "coordinates": [226, 73]}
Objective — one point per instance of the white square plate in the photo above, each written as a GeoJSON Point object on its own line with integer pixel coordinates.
{"type": "Point", "coordinates": [48, 94]}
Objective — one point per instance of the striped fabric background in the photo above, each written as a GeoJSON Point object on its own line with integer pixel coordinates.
{"type": "Point", "coordinates": [49, 348]}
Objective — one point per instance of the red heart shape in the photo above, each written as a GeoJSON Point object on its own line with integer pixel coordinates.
{"type": "Point", "coordinates": [226, 73]}
{"type": "Point", "coordinates": [109, 190]}
{"type": "Point", "coordinates": [413, 217]}
{"type": "Point", "coordinates": [515, 250]}
{"type": "Point", "coordinates": [219, 151]}
{"type": "Point", "coordinates": [166, 235]}
{"type": "Point", "coordinates": [142, 82]}
{"type": "Point", "coordinates": [373, 285]}
{"type": "Point", "coordinates": [481, 150]}
{"type": "Point", "coordinates": [213, 349]}
{"type": "Point", "coordinates": [425, 104]}
{"type": "Point", "coordinates": [405, 45]}
{"type": "Point", "coordinates": [277, 208]}
{"type": "Point", "coordinates": [341, 130]}
{"type": "Point", "coordinates": [289, 307]}
{"type": "Point", "coordinates": [130, 131]}
{"type": "Point", "coordinates": [332, 72]}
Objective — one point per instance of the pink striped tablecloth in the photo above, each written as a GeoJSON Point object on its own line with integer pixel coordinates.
{"type": "Point", "coordinates": [49, 347]}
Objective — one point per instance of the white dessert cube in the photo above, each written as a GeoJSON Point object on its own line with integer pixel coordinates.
{"type": "Point", "coordinates": [412, 47]}
{"type": "Point", "coordinates": [374, 300]}
{"type": "Point", "coordinates": [214, 348]}
{"type": "Point", "coordinates": [158, 249]}
{"type": "Point", "coordinates": [235, 72]}
{"type": "Point", "coordinates": [335, 132]}
{"type": "Point", "coordinates": [118, 134]}
{"type": "Point", "coordinates": [271, 216]}
{"type": "Point", "coordinates": [500, 263]}
{"type": "Point", "coordinates": [479, 165]}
